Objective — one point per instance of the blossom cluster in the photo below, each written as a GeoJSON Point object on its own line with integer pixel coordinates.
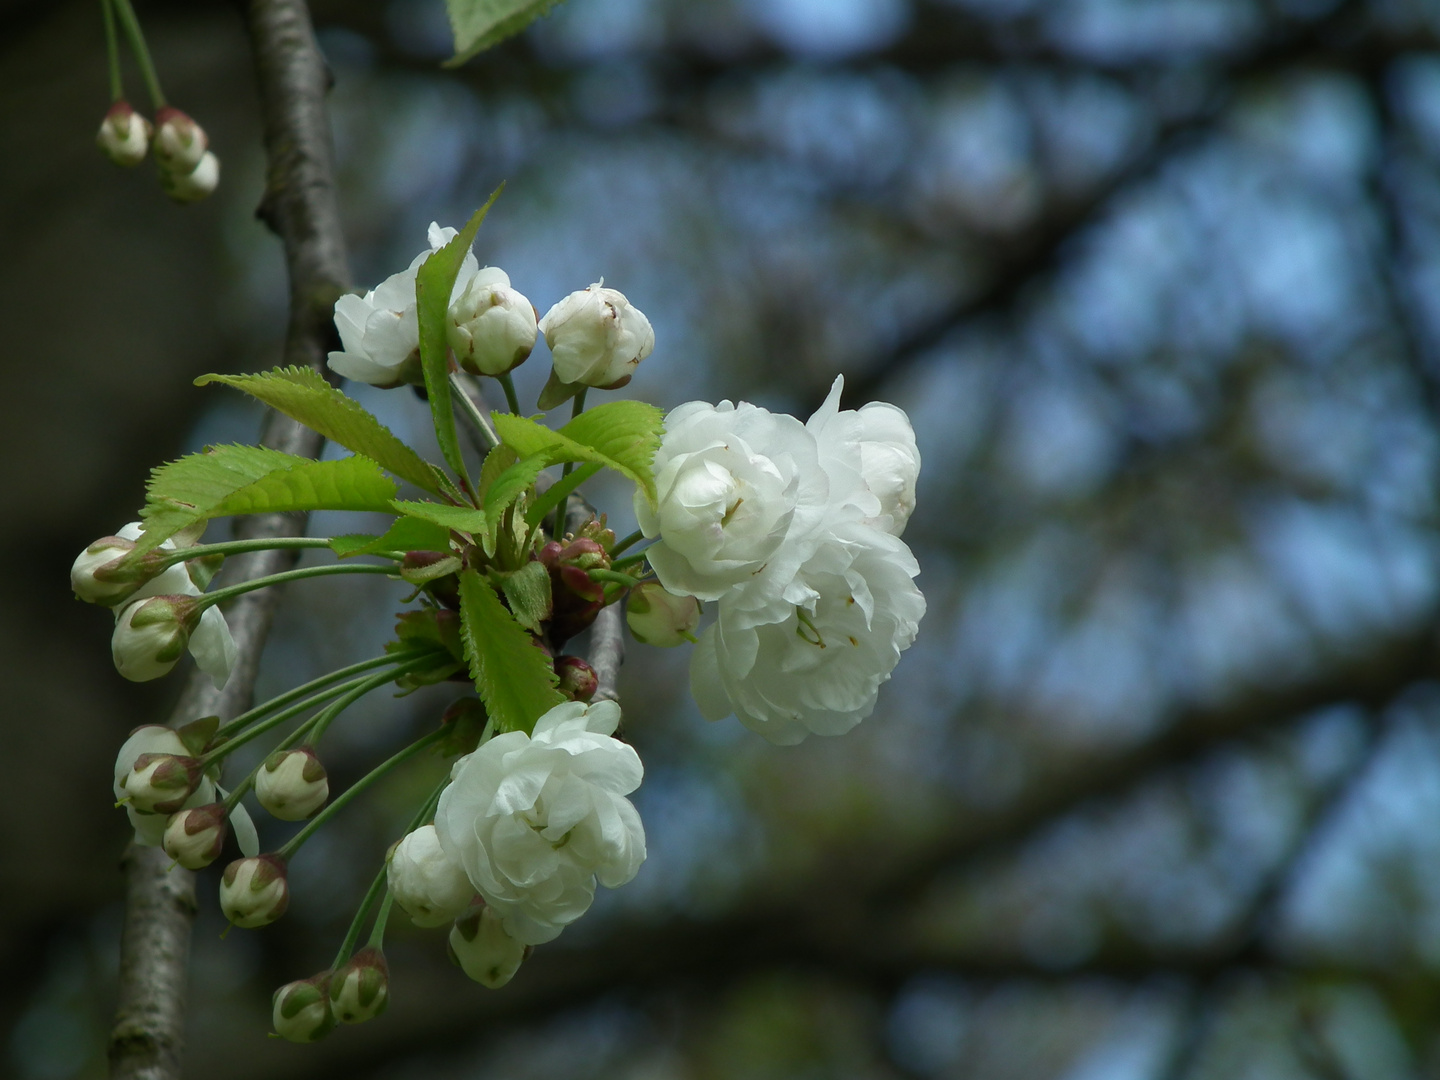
{"type": "Point", "coordinates": [795, 530]}
{"type": "Point", "coordinates": [188, 168]}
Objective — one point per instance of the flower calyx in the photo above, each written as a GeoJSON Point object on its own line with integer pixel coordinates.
{"type": "Point", "coordinates": [300, 1010]}
{"type": "Point", "coordinates": [360, 990]}
{"type": "Point", "coordinates": [254, 891]}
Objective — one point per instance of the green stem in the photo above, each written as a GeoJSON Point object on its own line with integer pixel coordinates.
{"type": "Point", "coordinates": [422, 817]}
{"type": "Point", "coordinates": [511, 399]}
{"type": "Point", "coordinates": [112, 50]}
{"type": "Point", "coordinates": [629, 541]}
{"type": "Point", "coordinates": [221, 595]}
{"type": "Point", "coordinates": [629, 560]}
{"type": "Point", "coordinates": [614, 577]}
{"type": "Point", "coordinates": [287, 852]}
{"type": "Point", "coordinates": [474, 415]}
{"type": "Point", "coordinates": [377, 935]}
{"type": "Point", "coordinates": [225, 749]}
{"type": "Point", "coordinates": [577, 404]}
{"type": "Point", "coordinates": [167, 558]}
{"type": "Point", "coordinates": [246, 718]}
{"type": "Point", "coordinates": [338, 706]}
{"type": "Point", "coordinates": [131, 26]}
{"type": "Point", "coordinates": [238, 792]}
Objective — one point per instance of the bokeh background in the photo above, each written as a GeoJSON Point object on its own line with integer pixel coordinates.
{"type": "Point", "coordinates": [1154, 796]}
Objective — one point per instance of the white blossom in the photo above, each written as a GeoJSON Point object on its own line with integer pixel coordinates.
{"type": "Point", "coordinates": [819, 669]}
{"type": "Point", "coordinates": [380, 332]}
{"type": "Point", "coordinates": [154, 739]}
{"type": "Point", "coordinates": [492, 327]}
{"type": "Point", "coordinates": [596, 337]}
{"type": "Point", "coordinates": [425, 881]}
{"type": "Point", "coordinates": [731, 481]}
{"type": "Point", "coordinates": [536, 819]}
{"type": "Point", "coordinates": [196, 183]}
{"type": "Point", "coordinates": [871, 458]}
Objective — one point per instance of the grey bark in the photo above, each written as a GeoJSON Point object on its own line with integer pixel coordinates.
{"type": "Point", "coordinates": [299, 205]}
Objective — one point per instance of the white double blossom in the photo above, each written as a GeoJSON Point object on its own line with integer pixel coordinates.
{"type": "Point", "coordinates": [492, 327]}
{"type": "Point", "coordinates": [794, 529]}
{"type": "Point", "coordinates": [425, 881]}
{"type": "Point", "coordinates": [597, 337]}
{"type": "Point", "coordinates": [380, 331]}
{"type": "Point", "coordinates": [535, 820]}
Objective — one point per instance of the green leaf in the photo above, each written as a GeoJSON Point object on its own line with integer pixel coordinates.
{"type": "Point", "coordinates": [513, 483]}
{"type": "Point", "coordinates": [496, 462]}
{"type": "Point", "coordinates": [465, 518]}
{"type": "Point", "coordinates": [528, 592]}
{"type": "Point", "coordinates": [304, 395]}
{"type": "Point", "coordinates": [515, 679]}
{"type": "Point", "coordinates": [433, 284]}
{"type": "Point", "coordinates": [621, 435]}
{"type": "Point", "coordinates": [406, 534]}
{"type": "Point", "coordinates": [479, 24]}
{"type": "Point", "coordinates": [226, 480]}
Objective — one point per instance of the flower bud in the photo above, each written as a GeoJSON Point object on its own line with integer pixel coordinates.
{"type": "Point", "coordinates": [482, 948]}
{"type": "Point", "coordinates": [193, 838]}
{"type": "Point", "coordinates": [254, 891]}
{"type": "Point", "coordinates": [575, 596]}
{"type": "Point", "coordinates": [150, 636]}
{"type": "Point", "coordinates": [160, 783]}
{"type": "Point", "coordinates": [94, 576]}
{"type": "Point", "coordinates": [578, 681]}
{"type": "Point", "coordinates": [360, 990]}
{"type": "Point", "coordinates": [425, 881]}
{"type": "Point", "coordinates": [180, 143]}
{"type": "Point", "coordinates": [659, 617]}
{"type": "Point", "coordinates": [492, 327]}
{"type": "Point", "coordinates": [124, 135]}
{"type": "Point", "coordinates": [596, 338]}
{"type": "Point", "coordinates": [292, 784]}
{"type": "Point", "coordinates": [194, 185]}
{"type": "Point", "coordinates": [300, 1010]}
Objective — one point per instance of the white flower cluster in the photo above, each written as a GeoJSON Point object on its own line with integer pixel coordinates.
{"type": "Point", "coordinates": [595, 335]}
{"type": "Point", "coordinates": [530, 823]}
{"type": "Point", "coordinates": [794, 529]}
{"type": "Point", "coordinates": [151, 628]}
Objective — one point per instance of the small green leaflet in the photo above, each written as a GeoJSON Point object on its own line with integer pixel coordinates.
{"type": "Point", "coordinates": [465, 518]}
{"type": "Point", "coordinates": [433, 284]}
{"type": "Point", "coordinates": [304, 395]}
{"type": "Point", "coordinates": [515, 679]}
{"type": "Point", "coordinates": [621, 435]}
{"type": "Point", "coordinates": [512, 483]}
{"type": "Point", "coordinates": [407, 534]}
{"type": "Point", "coordinates": [527, 591]}
{"type": "Point", "coordinates": [226, 480]}
{"type": "Point", "coordinates": [479, 24]}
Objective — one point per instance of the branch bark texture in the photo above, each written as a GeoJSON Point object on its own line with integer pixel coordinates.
{"type": "Point", "coordinates": [299, 206]}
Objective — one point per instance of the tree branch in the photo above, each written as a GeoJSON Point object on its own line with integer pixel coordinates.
{"type": "Point", "coordinates": [299, 206]}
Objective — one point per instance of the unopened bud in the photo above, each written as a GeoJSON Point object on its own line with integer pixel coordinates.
{"type": "Point", "coordinates": [596, 338]}
{"type": "Point", "coordinates": [95, 576]}
{"type": "Point", "coordinates": [360, 990]}
{"type": "Point", "coordinates": [254, 891]}
{"type": "Point", "coordinates": [193, 838]}
{"type": "Point", "coordinates": [150, 636]}
{"type": "Point", "coordinates": [124, 135]}
{"type": "Point", "coordinates": [492, 327]}
{"type": "Point", "coordinates": [160, 783]}
{"type": "Point", "coordinates": [194, 185]}
{"type": "Point", "coordinates": [578, 681]}
{"type": "Point", "coordinates": [292, 784]}
{"type": "Point", "coordinates": [300, 1010]}
{"type": "Point", "coordinates": [180, 143]}
{"type": "Point", "coordinates": [482, 948]}
{"type": "Point", "coordinates": [659, 617]}
{"type": "Point", "coordinates": [425, 881]}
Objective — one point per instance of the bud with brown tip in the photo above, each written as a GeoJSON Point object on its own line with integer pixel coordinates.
{"type": "Point", "coordinates": [578, 680]}
{"type": "Point", "coordinates": [193, 838]}
{"type": "Point", "coordinates": [292, 784]}
{"type": "Point", "coordinates": [360, 990]}
{"type": "Point", "coordinates": [180, 143]}
{"type": "Point", "coordinates": [254, 891]}
{"type": "Point", "coordinates": [160, 783]}
{"type": "Point", "coordinates": [124, 135]}
{"type": "Point", "coordinates": [300, 1010]}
